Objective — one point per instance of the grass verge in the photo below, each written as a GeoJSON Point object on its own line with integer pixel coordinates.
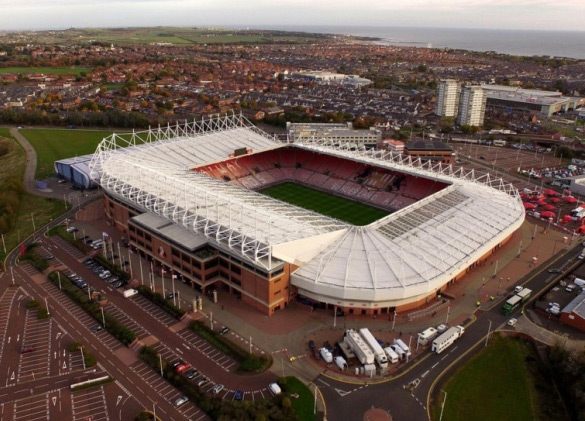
{"type": "Point", "coordinates": [355, 213]}
{"type": "Point", "coordinates": [63, 70]}
{"type": "Point", "coordinates": [88, 358]}
{"type": "Point", "coordinates": [18, 209]}
{"type": "Point", "coordinates": [54, 144]}
{"type": "Point", "coordinates": [302, 400]}
{"type": "Point", "coordinates": [248, 363]}
{"type": "Point", "coordinates": [502, 382]}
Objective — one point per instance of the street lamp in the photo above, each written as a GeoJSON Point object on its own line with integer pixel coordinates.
{"type": "Point", "coordinates": [443, 405]}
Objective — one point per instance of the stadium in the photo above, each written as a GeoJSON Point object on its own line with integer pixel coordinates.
{"type": "Point", "coordinates": [225, 205]}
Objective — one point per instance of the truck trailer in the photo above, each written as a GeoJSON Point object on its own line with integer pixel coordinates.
{"type": "Point", "coordinates": [362, 351]}
{"type": "Point", "coordinates": [400, 343]}
{"type": "Point", "coordinates": [379, 353]}
{"type": "Point", "coordinates": [511, 304]}
{"type": "Point", "coordinates": [445, 340]}
{"type": "Point", "coordinates": [524, 293]}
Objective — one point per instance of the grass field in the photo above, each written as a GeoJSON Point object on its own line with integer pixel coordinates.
{"type": "Point", "coordinates": [54, 144]}
{"type": "Point", "coordinates": [173, 35]}
{"type": "Point", "coordinates": [17, 209]}
{"type": "Point", "coordinates": [303, 405]}
{"type": "Point", "coordinates": [324, 203]}
{"type": "Point", "coordinates": [75, 71]}
{"type": "Point", "coordinates": [494, 385]}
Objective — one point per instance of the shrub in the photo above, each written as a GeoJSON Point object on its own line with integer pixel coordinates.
{"type": "Point", "coordinates": [249, 363]}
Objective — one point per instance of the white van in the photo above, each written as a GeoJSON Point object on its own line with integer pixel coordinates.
{"type": "Point", "coordinates": [275, 388]}
{"type": "Point", "coordinates": [393, 357]}
{"type": "Point", "coordinates": [130, 293]}
{"type": "Point", "coordinates": [399, 351]}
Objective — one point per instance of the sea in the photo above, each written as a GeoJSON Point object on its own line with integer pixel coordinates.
{"type": "Point", "coordinates": [515, 42]}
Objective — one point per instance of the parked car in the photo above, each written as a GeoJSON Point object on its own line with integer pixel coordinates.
{"type": "Point", "coordinates": [181, 400]}
{"type": "Point", "coordinates": [224, 330]}
{"type": "Point", "coordinates": [177, 363]}
{"type": "Point", "coordinates": [26, 349]}
{"type": "Point", "coordinates": [238, 395]}
{"type": "Point", "coordinates": [201, 382]}
{"type": "Point", "coordinates": [512, 322]}
{"type": "Point", "coordinates": [191, 373]}
{"type": "Point", "coordinates": [182, 368]}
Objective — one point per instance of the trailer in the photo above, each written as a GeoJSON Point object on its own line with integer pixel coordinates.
{"type": "Point", "coordinates": [511, 304]}
{"type": "Point", "coordinates": [379, 353]}
{"type": "Point", "coordinates": [400, 343]}
{"type": "Point", "coordinates": [446, 339]}
{"type": "Point", "coordinates": [362, 351]}
{"type": "Point", "coordinates": [393, 357]}
{"type": "Point", "coordinates": [427, 335]}
{"type": "Point", "coordinates": [524, 294]}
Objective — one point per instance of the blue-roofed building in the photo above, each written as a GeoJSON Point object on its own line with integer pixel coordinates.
{"type": "Point", "coordinates": [76, 170]}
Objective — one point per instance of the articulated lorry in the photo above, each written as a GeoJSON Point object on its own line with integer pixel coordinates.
{"type": "Point", "coordinates": [447, 339]}
{"type": "Point", "coordinates": [361, 349]}
{"type": "Point", "coordinates": [379, 353]}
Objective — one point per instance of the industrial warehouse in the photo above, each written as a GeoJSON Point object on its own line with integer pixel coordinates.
{"type": "Point", "coordinates": [190, 198]}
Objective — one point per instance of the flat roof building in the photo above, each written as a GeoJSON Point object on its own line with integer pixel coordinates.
{"type": "Point", "coordinates": [530, 100]}
{"type": "Point", "coordinates": [430, 150]}
{"type": "Point", "coordinates": [338, 133]}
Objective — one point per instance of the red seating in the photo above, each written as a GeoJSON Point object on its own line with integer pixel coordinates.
{"type": "Point", "coordinates": [377, 186]}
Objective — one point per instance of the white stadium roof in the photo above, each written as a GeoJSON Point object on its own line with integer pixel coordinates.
{"type": "Point", "coordinates": [407, 254]}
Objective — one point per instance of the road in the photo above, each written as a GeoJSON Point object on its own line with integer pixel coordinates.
{"type": "Point", "coordinates": [406, 397]}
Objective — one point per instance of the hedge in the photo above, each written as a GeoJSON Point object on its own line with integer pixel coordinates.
{"type": "Point", "coordinates": [158, 299]}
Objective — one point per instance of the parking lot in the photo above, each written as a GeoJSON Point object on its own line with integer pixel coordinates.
{"type": "Point", "coordinates": [91, 324]}
{"type": "Point", "coordinates": [153, 310]}
{"type": "Point", "coordinates": [216, 356]}
{"type": "Point", "coordinates": [34, 408]}
{"type": "Point", "coordinates": [166, 390]}
{"type": "Point", "coordinates": [206, 384]}
{"type": "Point", "coordinates": [89, 404]}
{"type": "Point", "coordinates": [35, 354]}
{"type": "Point", "coordinates": [6, 303]}
{"type": "Point", "coordinates": [70, 249]}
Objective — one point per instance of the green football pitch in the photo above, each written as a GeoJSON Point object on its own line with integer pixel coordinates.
{"type": "Point", "coordinates": [324, 203]}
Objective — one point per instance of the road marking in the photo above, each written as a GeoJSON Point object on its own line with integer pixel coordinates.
{"type": "Point", "coordinates": [425, 374]}
{"type": "Point", "coordinates": [324, 382]}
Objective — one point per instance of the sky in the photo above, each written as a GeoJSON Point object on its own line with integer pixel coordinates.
{"type": "Point", "coordinates": [485, 14]}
